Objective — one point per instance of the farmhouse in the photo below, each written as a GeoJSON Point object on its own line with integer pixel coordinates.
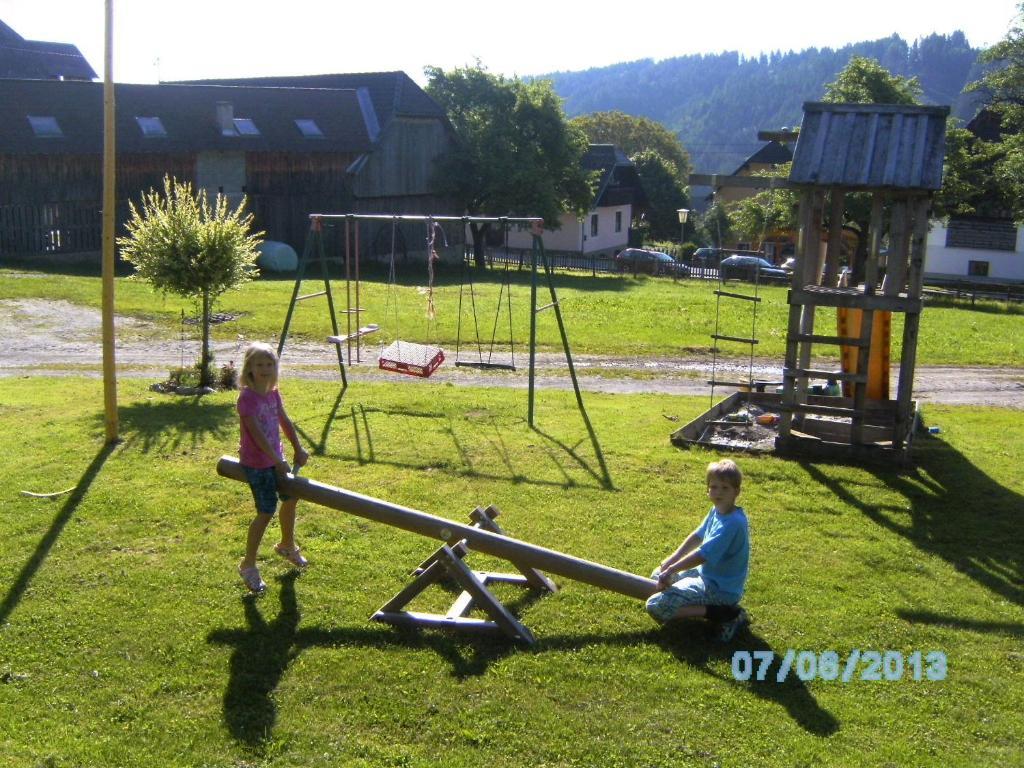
{"type": "Point", "coordinates": [607, 227]}
{"type": "Point", "coordinates": [330, 143]}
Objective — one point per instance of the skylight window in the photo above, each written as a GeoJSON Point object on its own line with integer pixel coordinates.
{"type": "Point", "coordinates": [246, 127]}
{"type": "Point", "coordinates": [309, 129]}
{"type": "Point", "coordinates": [151, 127]}
{"type": "Point", "coordinates": [45, 127]}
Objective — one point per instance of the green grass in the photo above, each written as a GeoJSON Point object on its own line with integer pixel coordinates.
{"type": "Point", "coordinates": [608, 315]}
{"type": "Point", "coordinates": [125, 638]}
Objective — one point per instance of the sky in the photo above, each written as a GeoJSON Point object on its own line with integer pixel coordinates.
{"type": "Point", "coordinates": [193, 39]}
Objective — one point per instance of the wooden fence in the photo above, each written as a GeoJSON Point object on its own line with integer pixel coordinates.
{"type": "Point", "coordinates": [66, 227]}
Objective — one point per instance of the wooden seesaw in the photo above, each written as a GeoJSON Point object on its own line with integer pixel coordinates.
{"type": "Point", "coordinates": [483, 535]}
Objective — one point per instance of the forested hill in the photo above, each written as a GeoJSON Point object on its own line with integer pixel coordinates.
{"type": "Point", "coordinates": [717, 103]}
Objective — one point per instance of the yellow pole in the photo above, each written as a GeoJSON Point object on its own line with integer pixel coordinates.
{"type": "Point", "coordinates": [109, 196]}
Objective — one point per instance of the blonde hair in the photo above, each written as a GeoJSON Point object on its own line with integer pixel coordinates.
{"type": "Point", "coordinates": [727, 471]}
{"type": "Point", "coordinates": [252, 352]}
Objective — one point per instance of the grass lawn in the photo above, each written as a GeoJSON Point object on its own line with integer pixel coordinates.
{"type": "Point", "coordinates": [126, 639]}
{"type": "Point", "coordinates": [608, 315]}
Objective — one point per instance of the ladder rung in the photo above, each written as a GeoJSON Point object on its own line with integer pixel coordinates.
{"type": "Point", "coordinates": [742, 384]}
{"type": "Point", "coordinates": [843, 341]}
{"type": "Point", "coordinates": [350, 311]}
{"type": "Point", "coordinates": [738, 296]}
{"type": "Point", "coordinates": [547, 306]}
{"type": "Point", "coordinates": [735, 338]}
{"type": "Point", "coordinates": [811, 374]}
{"type": "Point", "coordinates": [311, 295]}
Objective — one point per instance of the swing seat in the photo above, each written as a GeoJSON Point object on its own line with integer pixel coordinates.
{"type": "Point", "coordinates": [411, 359]}
{"type": "Point", "coordinates": [366, 330]}
{"type": "Point", "coordinates": [485, 366]}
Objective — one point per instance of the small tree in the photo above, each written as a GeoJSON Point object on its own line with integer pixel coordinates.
{"type": "Point", "coordinates": [179, 244]}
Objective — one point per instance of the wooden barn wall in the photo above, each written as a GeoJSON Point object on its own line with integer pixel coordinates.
{"type": "Point", "coordinates": [283, 189]}
{"type": "Point", "coordinates": [52, 203]}
{"type": "Point", "coordinates": [403, 163]}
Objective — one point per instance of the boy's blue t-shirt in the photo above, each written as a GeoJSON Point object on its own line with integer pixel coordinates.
{"type": "Point", "coordinates": [726, 550]}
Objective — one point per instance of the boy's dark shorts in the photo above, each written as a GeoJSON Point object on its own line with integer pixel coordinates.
{"type": "Point", "coordinates": [263, 483]}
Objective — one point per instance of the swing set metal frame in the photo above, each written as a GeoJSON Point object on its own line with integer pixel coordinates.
{"type": "Point", "coordinates": [314, 252]}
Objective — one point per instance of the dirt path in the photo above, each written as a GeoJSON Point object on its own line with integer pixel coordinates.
{"type": "Point", "coordinates": [57, 338]}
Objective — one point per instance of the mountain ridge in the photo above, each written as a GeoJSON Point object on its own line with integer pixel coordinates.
{"type": "Point", "coordinates": [716, 103]}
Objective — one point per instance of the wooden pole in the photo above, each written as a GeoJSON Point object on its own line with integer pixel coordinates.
{"type": "Point", "coordinates": [109, 222]}
{"type": "Point", "coordinates": [449, 531]}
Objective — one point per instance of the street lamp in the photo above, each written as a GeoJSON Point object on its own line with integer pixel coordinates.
{"type": "Point", "coordinates": [684, 214]}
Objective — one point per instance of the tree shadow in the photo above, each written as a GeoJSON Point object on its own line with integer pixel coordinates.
{"type": "Point", "coordinates": [1010, 628]}
{"type": "Point", "coordinates": [957, 511]}
{"type": "Point", "coordinates": [181, 423]}
{"type": "Point", "coordinates": [35, 561]}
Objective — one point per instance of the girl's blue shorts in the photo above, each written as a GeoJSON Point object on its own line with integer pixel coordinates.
{"type": "Point", "coordinates": [263, 483]}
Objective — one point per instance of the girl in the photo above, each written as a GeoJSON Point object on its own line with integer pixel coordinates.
{"type": "Point", "coordinates": [261, 413]}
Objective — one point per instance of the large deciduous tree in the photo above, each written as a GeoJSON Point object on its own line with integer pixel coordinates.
{"type": "Point", "coordinates": [634, 135]}
{"type": "Point", "coordinates": [1001, 163]}
{"type": "Point", "coordinates": [517, 154]}
{"type": "Point", "coordinates": [665, 194]}
{"type": "Point", "coordinates": [865, 81]}
{"type": "Point", "coordinates": [180, 244]}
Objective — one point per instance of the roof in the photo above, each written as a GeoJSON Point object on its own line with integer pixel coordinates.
{"type": "Point", "coordinates": [394, 94]}
{"type": "Point", "coordinates": [34, 58]}
{"type": "Point", "coordinates": [619, 183]}
{"type": "Point", "coordinates": [871, 146]}
{"type": "Point", "coordinates": [188, 113]}
{"type": "Point", "coordinates": [772, 153]}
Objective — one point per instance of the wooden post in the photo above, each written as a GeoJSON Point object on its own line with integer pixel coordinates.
{"type": "Point", "coordinates": [109, 224]}
{"type": "Point", "coordinates": [450, 532]}
{"type": "Point", "coordinates": [837, 200]}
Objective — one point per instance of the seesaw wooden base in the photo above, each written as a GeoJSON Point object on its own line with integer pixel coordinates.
{"type": "Point", "coordinates": [447, 562]}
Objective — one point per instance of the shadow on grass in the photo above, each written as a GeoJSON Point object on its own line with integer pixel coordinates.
{"type": "Point", "coordinates": [176, 423]}
{"type": "Point", "coordinates": [1009, 628]}
{"type": "Point", "coordinates": [35, 561]}
{"type": "Point", "coordinates": [462, 465]}
{"type": "Point", "coordinates": [957, 511]}
{"type": "Point", "coordinates": [263, 651]}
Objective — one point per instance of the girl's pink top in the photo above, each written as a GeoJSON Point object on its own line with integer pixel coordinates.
{"type": "Point", "coordinates": [267, 410]}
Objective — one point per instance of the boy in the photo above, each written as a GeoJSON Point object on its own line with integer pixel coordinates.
{"type": "Point", "coordinates": [705, 576]}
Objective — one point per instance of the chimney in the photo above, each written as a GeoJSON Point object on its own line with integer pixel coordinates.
{"type": "Point", "coordinates": [226, 118]}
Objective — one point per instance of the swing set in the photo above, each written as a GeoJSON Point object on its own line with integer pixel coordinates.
{"type": "Point", "coordinates": [412, 358]}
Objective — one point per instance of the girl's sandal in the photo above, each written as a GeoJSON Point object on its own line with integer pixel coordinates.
{"type": "Point", "coordinates": [293, 555]}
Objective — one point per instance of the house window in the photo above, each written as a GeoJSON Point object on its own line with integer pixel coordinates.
{"type": "Point", "coordinates": [618, 221]}
{"type": "Point", "coordinates": [45, 127]}
{"type": "Point", "coordinates": [151, 127]}
{"type": "Point", "coordinates": [245, 126]}
{"type": "Point", "coordinates": [977, 268]}
{"type": "Point", "coordinates": [309, 129]}
{"type": "Point", "coordinates": [593, 225]}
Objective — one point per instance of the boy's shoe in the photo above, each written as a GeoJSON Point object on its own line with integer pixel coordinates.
{"type": "Point", "coordinates": [728, 630]}
{"type": "Point", "coordinates": [251, 577]}
{"type": "Point", "coordinates": [293, 555]}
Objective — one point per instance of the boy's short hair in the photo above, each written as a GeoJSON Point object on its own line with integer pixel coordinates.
{"type": "Point", "coordinates": [727, 471]}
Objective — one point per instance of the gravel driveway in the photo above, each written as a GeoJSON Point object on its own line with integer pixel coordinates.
{"type": "Point", "coordinates": [58, 338]}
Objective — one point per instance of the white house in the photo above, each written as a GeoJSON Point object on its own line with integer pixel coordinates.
{"type": "Point", "coordinates": [970, 248]}
{"type": "Point", "coordinates": [605, 229]}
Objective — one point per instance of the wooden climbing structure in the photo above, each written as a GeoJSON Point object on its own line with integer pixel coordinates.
{"type": "Point", "coordinates": [893, 156]}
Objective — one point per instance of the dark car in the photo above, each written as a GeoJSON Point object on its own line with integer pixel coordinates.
{"type": "Point", "coordinates": [648, 262]}
{"type": "Point", "coordinates": [707, 257]}
{"type": "Point", "coordinates": [751, 268]}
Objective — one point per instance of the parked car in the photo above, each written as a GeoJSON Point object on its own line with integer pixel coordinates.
{"type": "Point", "coordinates": [788, 264]}
{"type": "Point", "coordinates": [750, 268]}
{"type": "Point", "coordinates": [639, 260]}
{"type": "Point", "coordinates": [707, 257]}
